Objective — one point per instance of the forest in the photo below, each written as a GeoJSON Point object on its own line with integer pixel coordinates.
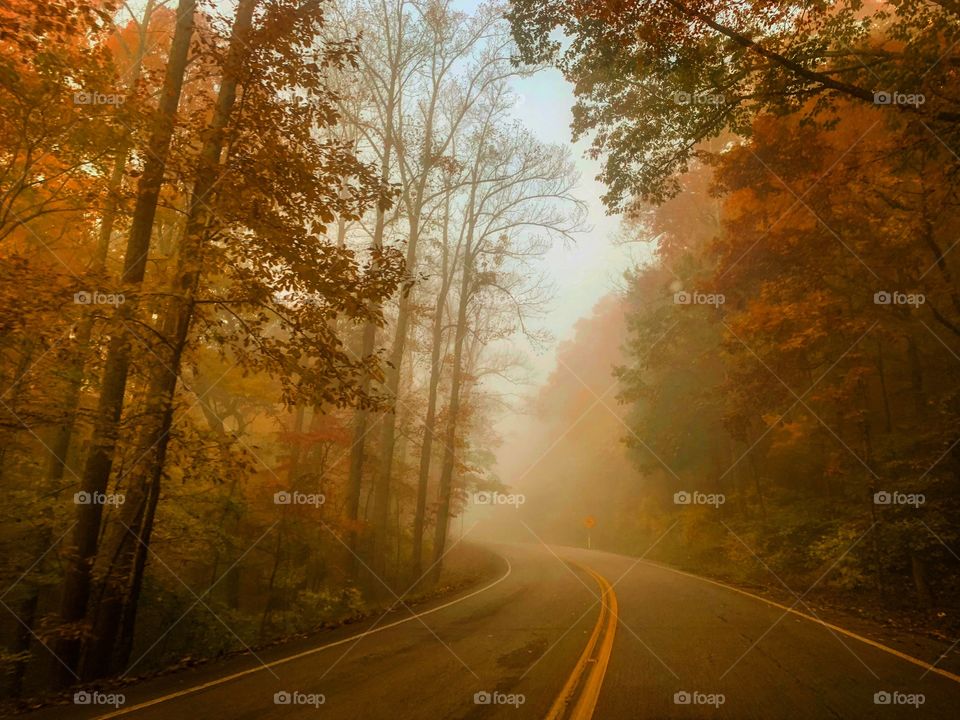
{"type": "Point", "coordinates": [790, 348]}
{"type": "Point", "coordinates": [255, 268]}
{"type": "Point", "coordinates": [273, 273]}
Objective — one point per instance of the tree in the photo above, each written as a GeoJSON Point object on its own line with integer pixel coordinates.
{"type": "Point", "coordinates": [518, 196]}
{"type": "Point", "coordinates": [297, 342]}
{"type": "Point", "coordinates": [99, 462]}
{"type": "Point", "coordinates": [654, 79]}
{"type": "Point", "coordinates": [143, 496]}
{"type": "Point", "coordinates": [424, 143]}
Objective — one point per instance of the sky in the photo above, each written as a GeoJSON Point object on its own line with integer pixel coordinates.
{"type": "Point", "coordinates": [587, 271]}
{"type": "Point", "coordinates": [594, 266]}
{"type": "Point", "coordinates": [582, 274]}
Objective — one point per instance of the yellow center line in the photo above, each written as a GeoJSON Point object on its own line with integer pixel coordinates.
{"type": "Point", "coordinates": [578, 698]}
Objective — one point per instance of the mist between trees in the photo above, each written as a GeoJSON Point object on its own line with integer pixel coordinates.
{"type": "Point", "coordinates": [257, 265]}
{"type": "Point", "coordinates": [263, 260]}
{"type": "Point", "coordinates": [790, 349]}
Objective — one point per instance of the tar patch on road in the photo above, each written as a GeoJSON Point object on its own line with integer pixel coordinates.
{"type": "Point", "coordinates": [524, 656]}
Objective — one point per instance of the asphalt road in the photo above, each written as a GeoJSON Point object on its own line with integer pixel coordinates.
{"type": "Point", "coordinates": [536, 632]}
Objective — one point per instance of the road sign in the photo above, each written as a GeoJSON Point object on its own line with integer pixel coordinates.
{"type": "Point", "coordinates": [589, 521]}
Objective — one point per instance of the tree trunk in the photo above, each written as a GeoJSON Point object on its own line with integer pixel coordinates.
{"type": "Point", "coordinates": [162, 389]}
{"type": "Point", "coordinates": [388, 427]}
{"type": "Point", "coordinates": [916, 377]}
{"type": "Point", "coordinates": [367, 346]}
{"type": "Point", "coordinates": [414, 202]}
{"type": "Point", "coordinates": [128, 620]}
{"type": "Point", "coordinates": [426, 449]}
{"type": "Point", "coordinates": [885, 395]}
{"type": "Point", "coordinates": [96, 473]}
{"type": "Point", "coordinates": [919, 571]}
{"type": "Point", "coordinates": [59, 446]}
{"type": "Point", "coordinates": [453, 410]}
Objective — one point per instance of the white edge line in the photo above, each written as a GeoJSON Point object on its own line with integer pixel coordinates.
{"type": "Point", "coordinates": [873, 643]}
{"type": "Point", "coordinates": [297, 656]}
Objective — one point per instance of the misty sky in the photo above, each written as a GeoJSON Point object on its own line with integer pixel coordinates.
{"type": "Point", "coordinates": [583, 273]}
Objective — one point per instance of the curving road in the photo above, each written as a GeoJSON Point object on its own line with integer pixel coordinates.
{"type": "Point", "coordinates": [564, 634]}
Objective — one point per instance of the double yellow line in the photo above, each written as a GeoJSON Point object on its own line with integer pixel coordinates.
{"type": "Point", "coordinates": [579, 695]}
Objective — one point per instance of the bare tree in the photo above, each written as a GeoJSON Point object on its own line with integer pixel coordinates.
{"type": "Point", "coordinates": [519, 198]}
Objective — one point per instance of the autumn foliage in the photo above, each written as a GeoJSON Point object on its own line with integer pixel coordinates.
{"type": "Point", "coordinates": [232, 239]}
{"type": "Point", "coordinates": [792, 341]}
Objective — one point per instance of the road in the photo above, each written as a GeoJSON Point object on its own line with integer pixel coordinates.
{"type": "Point", "coordinates": [562, 633]}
